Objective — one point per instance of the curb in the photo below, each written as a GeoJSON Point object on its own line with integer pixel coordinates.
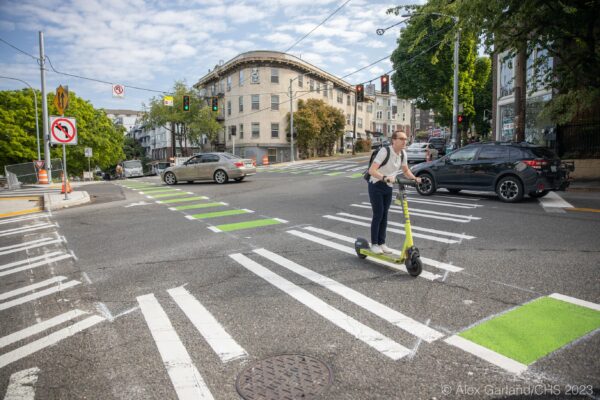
{"type": "Point", "coordinates": [54, 202]}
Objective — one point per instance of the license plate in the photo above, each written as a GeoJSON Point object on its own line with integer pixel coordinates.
{"type": "Point", "coordinates": [248, 164]}
{"type": "Point", "coordinates": [553, 168]}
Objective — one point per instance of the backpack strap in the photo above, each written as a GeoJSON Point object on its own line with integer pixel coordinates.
{"type": "Point", "coordinates": [387, 156]}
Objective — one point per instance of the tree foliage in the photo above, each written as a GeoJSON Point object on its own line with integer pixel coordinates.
{"type": "Point", "coordinates": [190, 125]}
{"type": "Point", "coordinates": [318, 127]}
{"type": "Point", "coordinates": [18, 143]}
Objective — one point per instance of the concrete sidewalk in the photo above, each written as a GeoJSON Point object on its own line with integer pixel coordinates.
{"type": "Point", "coordinates": [30, 203]}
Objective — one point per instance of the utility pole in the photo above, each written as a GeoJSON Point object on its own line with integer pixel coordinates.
{"type": "Point", "coordinates": [291, 123]}
{"type": "Point", "coordinates": [45, 109]}
{"type": "Point", "coordinates": [455, 139]}
{"type": "Point", "coordinates": [354, 129]}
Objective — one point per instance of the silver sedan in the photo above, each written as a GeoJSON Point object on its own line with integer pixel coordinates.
{"type": "Point", "coordinates": [417, 152]}
{"type": "Point", "coordinates": [219, 167]}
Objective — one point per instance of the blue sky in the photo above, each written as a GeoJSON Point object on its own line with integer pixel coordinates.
{"type": "Point", "coordinates": [151, 44]}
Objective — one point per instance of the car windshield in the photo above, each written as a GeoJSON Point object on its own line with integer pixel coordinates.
{"type": "Point", "coordinates": [230, 156]}
{"type": "Point", "coordinates": [543, 153]}
{"type": "Point", "coordinates": [132, 164]}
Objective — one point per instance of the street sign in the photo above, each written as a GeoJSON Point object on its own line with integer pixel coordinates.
{"type": "Point", "coordinates": [88, 152]}
{"type": "Point", "coordinates": [168, 101]}
{"type": "Point", "coordinates": [39, 164]}
{"type": "Point", "coordinates": [61, 99]}
{"type": "Point", "coordinates": [63, 130]}
{"type": "Point", "coordinates": [118, 91]}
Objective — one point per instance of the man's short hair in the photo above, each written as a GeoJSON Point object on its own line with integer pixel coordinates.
{"type": "Point", "coordinates": [396, 134]}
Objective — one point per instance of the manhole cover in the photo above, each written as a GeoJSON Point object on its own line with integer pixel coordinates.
{"type": "Point", "coordinates": [284, 377]}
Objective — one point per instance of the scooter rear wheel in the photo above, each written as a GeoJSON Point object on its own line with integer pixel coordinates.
{"type": "Point", "coordinates": [414, 265]}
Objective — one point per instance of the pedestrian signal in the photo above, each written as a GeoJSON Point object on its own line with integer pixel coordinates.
{"type": "Point", "coordinates": [360, 93]}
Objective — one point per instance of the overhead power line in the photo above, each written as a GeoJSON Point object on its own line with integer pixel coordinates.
{"type": "Point", "coordinates": [19, 50]}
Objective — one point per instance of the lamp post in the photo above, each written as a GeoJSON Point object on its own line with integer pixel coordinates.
{"type": "Point", "coordinates": [37, 129]}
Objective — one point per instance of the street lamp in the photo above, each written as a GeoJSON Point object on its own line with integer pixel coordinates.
{"type": "Point", "coordinates": [37, 129]}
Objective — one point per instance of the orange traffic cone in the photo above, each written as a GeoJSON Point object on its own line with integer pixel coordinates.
{"type": "Point", "coordinates": [66, 186]}
{"type": "Point", "coordinates": [265, 160]}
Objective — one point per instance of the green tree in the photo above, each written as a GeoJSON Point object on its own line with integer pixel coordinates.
{"type": "Point", "coordinates": [424, 66]}
{"type": "Point", "coordinates": [18, 141]}
{"type": "Point", "coordinates": [482, 96]}
{"type": "Point", "coordinates": [568, 30]}
{"type": "Point", "coordinates": [188, 125]}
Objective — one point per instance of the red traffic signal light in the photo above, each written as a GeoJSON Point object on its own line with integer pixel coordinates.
{"type": "Point", "coordinates": [186, 103]}
{"type": "Point", "coordinates": [459, 119]}
{"type": "Point", "coordinates": [215, 104]}
{"type": "Point", "coordinates": [385, 84]}
{"type": "Point", "coordinates": [360, 93]}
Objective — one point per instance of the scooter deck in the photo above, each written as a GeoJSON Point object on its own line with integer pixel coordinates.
{"type": "Point", "coordinates": [385, 257]}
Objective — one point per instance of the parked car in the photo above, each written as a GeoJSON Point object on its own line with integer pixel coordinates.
{"type": "Point", "coordinates": [509, 169]}
{"type": "Point", "coordinates": [132, 168]}
{"type": "Point", "coordinates": [219, 167]}
{"type": "Point", "coordinates": [377, 145]}
{"type": "Point", "coordinates": [439, 143]}
{"type": "Point", "coordinates": [417, 152]}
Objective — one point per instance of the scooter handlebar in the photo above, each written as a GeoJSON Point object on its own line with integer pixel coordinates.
{"type": "Point", "coordinates": [407, 182]}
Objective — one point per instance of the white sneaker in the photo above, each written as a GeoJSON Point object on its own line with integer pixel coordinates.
{"type": "Point", "coordinates": [376, 249]}
{"type": "Point", "coordinates": [385, 249]}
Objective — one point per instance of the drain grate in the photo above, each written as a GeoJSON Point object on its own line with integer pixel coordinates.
{"type": "Point", "coordinates": [284, 377]}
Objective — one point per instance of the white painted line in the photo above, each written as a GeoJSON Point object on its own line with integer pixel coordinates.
{"type": "Point", "coordinates": [30, 260]}
{"type": "Point", "coordinates": [247, 210]}
{"type": "Point", "coordinates": [25, 299]}
{"type": "Point", "coordinates": [441, 265]}
{"type": "Point", "coordinates": [25, 244]}
{"type": "Point", "coordinates": [486, 354]}
{"type": "Point", "coordinates": [36, 264]}
{"type": "Point", "coordinates": [399, 231]}
{"type": "Point", "coordinates": [573, 300]}
{"type": "Point", "coordinates": [23, 218]}
{"type": "Point", "coordinates": [190, 218]}
{"type": "Point", "coordinates": [283, 221]}
{"type": "Point", "coordinates": [553, 200]}
{"type": "Point", "coordinates": [350, 250]}
{"type": "Point", "coordinates": [414, 228]}
{"type": "Point", "coordinates": [21, 385]}
{"type": "Point", "coordinates": [49, 340]}
{"type": "Point", "coordinates": [172, 209]}
{"type": "Point", "coordinates": [221, 342]}
{"type": "Point", "coordinates": [157, 202]}
{"type": "Point", "coordinates": [382, 311]}
{"type": "Point", "coordinates": [383, 344]}
{"type": "Point", "coordinates": [214, 229]}
{"type": "Point", "coordinates": [40, 327]}
{"type": "Point", "coordinates": [29, 288]}
{"type": "Point", "coordinates": [444, 203]}
{"type": "Point", "coordinates": [184, 375]}
{"type": "Point", "coordinates": [25, 228]}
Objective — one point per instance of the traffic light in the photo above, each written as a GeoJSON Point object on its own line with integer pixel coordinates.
{"type": "Point", "coordinates": [186, 103]}
{"type": "Point", "coordinates": [215, 104]}
{"type": "Point", "coordinates": [385, 84]}
{"type": "Point", "coordinates": [360, 93]}
{"type": "Point", "coordinates": [459, 119]}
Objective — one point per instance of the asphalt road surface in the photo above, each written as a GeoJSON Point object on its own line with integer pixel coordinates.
{"type": "Point", "coordinates": [253, 289]}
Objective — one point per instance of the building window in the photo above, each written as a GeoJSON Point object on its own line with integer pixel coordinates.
{"type": "Point", "coordinates": [359, 106]}
{"type": "Point", "coordinates": [255, 130]}
{"type": "Point", "coordinates": [255, 102]}
{"type": "Point", "coordinates": [274, 75]}
{"type": "Point", "coordinates": [274, 130]}
{"type": "Point", "coordinates": [369, 108]}
{"type": "Point", "coordinates": [403, 117]}
{"type": "Point", "coordinates": [254, 76]}
{"type": "Point", "coordinates": [348, 100]}
{"type": "Point", "coordinates": [241, 77]}
{"type": "Point", "coordinates": [325, 89]}
{"type": "Point", "coordinates": [274, 102]}
{"type": "Point", "coordinates": [300, 80]}
{"type": "Point", "coordinates": [359, 122]}
{"type": "Point", "coordinates": [318, 87]}
{"type": "Point", "coordinates": [311, 84]}
{"type": "Point", "coordinates": [241, 131]}
{"type": "Point", "coordinates": [506, 77]}
{"type": "Point", "coordinates": [348, 119]}
{"type": "Point", "coordinates": [229, 83]}
{"type": "Point", "coordinates": [379, 114]}
{"type": "Point", "coordinates": [389, 115]}
{"type": "Point", "coordinates": [228, 107]}
{"type": "Point", "coordinates": [241, 104]}
{"type": "Point", "coordinates": [340, 97]}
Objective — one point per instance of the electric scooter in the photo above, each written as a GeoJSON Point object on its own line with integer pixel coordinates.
{"type": "Point", "coordinates": [410, 253]}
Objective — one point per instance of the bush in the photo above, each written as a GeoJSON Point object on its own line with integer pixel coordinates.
{"type": "Point", "coordinates": [362, 145]}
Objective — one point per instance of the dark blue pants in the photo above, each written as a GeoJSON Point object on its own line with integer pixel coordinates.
{"type": "Point", "coordinates": [380, 195]}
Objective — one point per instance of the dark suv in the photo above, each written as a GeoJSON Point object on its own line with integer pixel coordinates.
{"type": "Point", "coordinates": [509, 169]}
{"type": "Point", "coordinates": [439, 144]}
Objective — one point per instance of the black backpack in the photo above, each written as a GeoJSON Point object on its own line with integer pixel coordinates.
{"type": "Point", "coordinates": [373, 154]}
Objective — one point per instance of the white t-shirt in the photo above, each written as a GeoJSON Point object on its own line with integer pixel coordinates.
{"type": "Point", "coordinates": [394, 163]}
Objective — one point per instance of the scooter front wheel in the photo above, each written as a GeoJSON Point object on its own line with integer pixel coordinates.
{"type": "Point", "coordinates": [360, 244]}
{"type": "Point", "coordinates": [414, 265]}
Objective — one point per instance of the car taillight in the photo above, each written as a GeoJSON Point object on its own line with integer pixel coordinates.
{"type": "Point", "coordinates": [537, 164]}
{"type": "Point", "coordinates": [254, 163]}
{"type": "Point", "coordinates": [238, 164]}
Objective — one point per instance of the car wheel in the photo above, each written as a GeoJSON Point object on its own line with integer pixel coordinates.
{"type": "Point", "coordinates": [427, 185]}
{"type": "Point", "coordinates": [537, 195]}
{"type": "Point", "coordinates": [220, 176]}
{"type": "Point", "coordinates": [510, 189]}
{"type": "Point", "coordinates": [170, 178]}
{"type": "Point", "coordinates": [239, 179]}
{"type": "Point", "coordinates": [454, 191]}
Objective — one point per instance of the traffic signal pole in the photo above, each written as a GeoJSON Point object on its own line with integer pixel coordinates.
{"type": "Point", "coordinates": [455, 140]}
{"type": "Point", "coordinates": [291, 123]}
{"type": "Point", "coordinates": [45, 109]}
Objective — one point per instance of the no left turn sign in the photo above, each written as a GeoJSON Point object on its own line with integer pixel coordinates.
{"type": "Point", "coordinates": [63, 130]}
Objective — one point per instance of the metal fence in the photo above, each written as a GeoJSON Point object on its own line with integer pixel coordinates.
{"type": "Point", "coordinates": [579, 140]}
{"type": "Point", "coordinates": [27, 173]}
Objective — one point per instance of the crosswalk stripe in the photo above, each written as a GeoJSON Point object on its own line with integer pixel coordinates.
{"type": "Point", "coordinates": [444, 203]}
{"type": "Point", "coordinates": [24, 218]}
{"type": "Point", "coordinates": [382, 311]}
{"type": "Point", "coordinates": [218, 214]}
{"type": "Point", "coordinates": [201, 205]}
{"type": "Point", "coordinates": [222, 343]}
{"type": "Point", "coordinates": [25, 229]}
{"type": "Point", "coordinates": [25, 299]}
{"type": "Point", "coordinates": [182, 200]}
{"type": "Point", "coordinates": [184, 375]}
{"type": "Point", "coordinates": [49, 340]}
{"type": "Point", "coordinates": [32, 244]}
{"type": "Point", "coordinates": [414, 228]}
{"type": "Point", "coordinates": [30, 260]}
{"type": "Point", "coordinates": [553, 200]}
{"type": "Point", "coordinates": [35, 264]}
{"type": "Point", "coordinates": [347, 239]}
{"type": "Point", "coordinates": [401, 232]}
{"type": "Point", "coordinates": [165, 195]}
{"type": "Point", "coordinates": [39, 327]}
{"type": "Point", "coordinates": [381, 343]}
{"type": "Point", "coordinates": [426, 213]}
{"type": "Point", "coordinates": [21, 385]}
{"type": "Point", "coordinates": [398, 210]}
{"type": "Point", "coordinates": [247, 224]}
{"type": "Point", "coordinates": [350, 250]}
{"type": "Point", "coordinates": [34, 286]}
